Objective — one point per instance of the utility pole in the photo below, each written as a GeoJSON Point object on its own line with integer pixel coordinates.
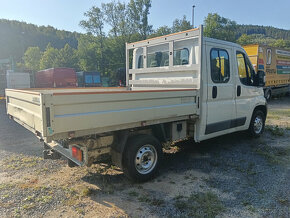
{"type": "Point", "coordinates": [193, 6]}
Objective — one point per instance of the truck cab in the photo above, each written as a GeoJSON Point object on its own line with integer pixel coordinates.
{"type": "Point", "coordinates": [229, 88]}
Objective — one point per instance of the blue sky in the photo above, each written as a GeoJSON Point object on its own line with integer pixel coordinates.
{"type": "Point", "coordinates": [66, 14]}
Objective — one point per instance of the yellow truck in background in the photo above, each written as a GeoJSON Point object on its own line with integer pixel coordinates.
{"type": "Point", "coordinates": [275, 62]}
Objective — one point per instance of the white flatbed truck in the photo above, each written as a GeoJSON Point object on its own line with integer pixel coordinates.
{"type": "Point", "coordinates": [179, 86]}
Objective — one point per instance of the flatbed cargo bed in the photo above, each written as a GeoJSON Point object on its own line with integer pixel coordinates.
{"type": "Point", "coordinates": [61, 113]}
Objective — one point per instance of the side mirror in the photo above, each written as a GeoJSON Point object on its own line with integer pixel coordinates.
{"type": "Point", "coordinates": [260, 78]}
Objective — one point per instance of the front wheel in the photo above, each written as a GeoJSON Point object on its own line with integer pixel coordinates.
{"type": "Point", "coordinates": [142, 158]}
{"type": "Point", "coordinates": [257, 124]}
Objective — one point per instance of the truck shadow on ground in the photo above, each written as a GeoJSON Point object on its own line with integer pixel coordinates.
{"type": "Point", "coordinates": [215, 156]}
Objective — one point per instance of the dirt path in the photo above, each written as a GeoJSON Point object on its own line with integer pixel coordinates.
{"type": "Point", "coordinates": [230, 176]}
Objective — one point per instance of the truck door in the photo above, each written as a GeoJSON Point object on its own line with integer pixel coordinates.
{"type": "Point", "coordinates": [246, 92]}
{"type": "Point", "coordinates": [221, 109]}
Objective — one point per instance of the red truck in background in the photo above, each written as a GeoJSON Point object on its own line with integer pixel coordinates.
{"type": "Point", "coordinates": [56, 78]}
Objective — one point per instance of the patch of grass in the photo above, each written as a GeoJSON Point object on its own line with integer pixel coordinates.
{"type": "Point", "coordinates": [80, 210]}
{"type": "Point", "coordinates": [28, 206]}
{"type": "Point", "coordinates": [250, 171]}
{"type": "Point", "coordinates": [268, 155]}
{"type": "Point", "coordinates": [5, 186]}
{"type": "Point", "coordinates": [251, 208]}
{"type": "Point", "coordinates": [246, 203]}
{"type": "Point", "coordinates": [144, 199]}
{"type": "Point", "coordinates": [16, 213]}
{"type": "Point", "coordinates": [284, 201]}
{"type": "Point", "coordinates": [133, 194]}
{"type": "Point", "coordinates": [81, 191]}
{"type": "Point", "coordinates": [42, 170]}
{"type": "Point", "coordinates": [261, 191]}
{"type": "Point", "coordinates": [152, 201]}
{"type": "Point", "coordinates": [29, 198]}
{"type": "Point", "coordinates": [85, 191]}
{"type": "Point", "coordinates": [200, 205]}
{"type": "Point", "coordinates": [157, 202]}
{"type": "Point", "coordinates": [273, 116]}
{"type": "Point", "coordinates": [72, 200]}
{"type": "Point", "coordinates": [279, 112]}
{"type": "Point", "coordinates": [180, 204]}
{"type": "Point", "coordinates": [16, 162]}
{"type": "Point", "coordinates": [274, 155]}
{"type": "Point", "coordinates": [178, 197]}
{"type": "Point", "coordinates": [275, 130]}
{"type": "Point", "coordinates": [44, 199]}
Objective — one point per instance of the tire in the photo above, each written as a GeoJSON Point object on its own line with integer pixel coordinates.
{"type": "Point", "coordinates": [142, 158]}
{"type": "Point", "coordinates": [257, 124]}
{"type": "Point", "coordinates": [268, 95]}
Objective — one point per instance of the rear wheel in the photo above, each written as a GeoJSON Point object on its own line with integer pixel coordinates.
{"type": "Point", "coordinates": [142, 158]}
{"type": "Point", "coordinates": [257, 124]}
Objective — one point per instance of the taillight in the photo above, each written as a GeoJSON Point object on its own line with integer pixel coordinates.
{"type": "Point", "coordinates": [77, 153]}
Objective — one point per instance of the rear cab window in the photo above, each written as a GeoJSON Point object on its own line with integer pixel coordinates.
{"type": "Point", "coordinates": [183, 52]}
{"type": "Point", "coordinates": [158, 56]}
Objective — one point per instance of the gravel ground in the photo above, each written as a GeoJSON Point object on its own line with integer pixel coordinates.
{"type": "Point", "coordinates": [229, 176]}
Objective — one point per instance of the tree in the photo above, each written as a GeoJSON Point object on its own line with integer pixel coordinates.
{"type": "Point", "coordinates": [138, 13]}
{"type": "Point", "coordinates": [88, 53]}
{"type": "Point", "coordinates": [181, 25]}
{"type": "Point", "coordinates": [161, 31]}
{"type": "Point", "coordinates": [245, 39]}
{"type": "Point", "coordinates": [115, 15]}
{"type": "Point", "coordinates": [219, 27]}
{"type": "Point", "coordinates": [280, 43]}
{"type": "Point", "coordinates": [67, 57]}
{"type": "Point", "coordinates": [49, 58]}
{"type": "Point", "coordinates": [95, 25]}
{"type": "Point", "coordinates": [32, 58]}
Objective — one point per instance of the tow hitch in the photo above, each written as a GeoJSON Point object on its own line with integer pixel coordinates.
{"type": "Point", "coordinates": [49, 153]}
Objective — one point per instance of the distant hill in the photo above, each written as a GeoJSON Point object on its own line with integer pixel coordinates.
{"type": "Point", "coordinates": [16, 37]}
{"type": "Point", "coordinates": [267, 31]}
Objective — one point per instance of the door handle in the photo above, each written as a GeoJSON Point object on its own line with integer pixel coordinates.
{"type": "Point", "coordinates": [214, 92]}
{"type": "Point", "coordinates": [239, 90]}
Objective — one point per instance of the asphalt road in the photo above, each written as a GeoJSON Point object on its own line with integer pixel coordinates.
{"type": "Point", "coordinates": [16, 139]}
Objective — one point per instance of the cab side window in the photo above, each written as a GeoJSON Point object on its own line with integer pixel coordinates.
{"type": "Point", "coordinates": [220, 66]}
{"type": "Point", "coordinates": [246, 71]}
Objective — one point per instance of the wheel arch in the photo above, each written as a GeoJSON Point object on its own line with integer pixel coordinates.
{"type": "Point", "coordinates": [262, 108]}
{"type": "Point", "coordinates": [122, 137]}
